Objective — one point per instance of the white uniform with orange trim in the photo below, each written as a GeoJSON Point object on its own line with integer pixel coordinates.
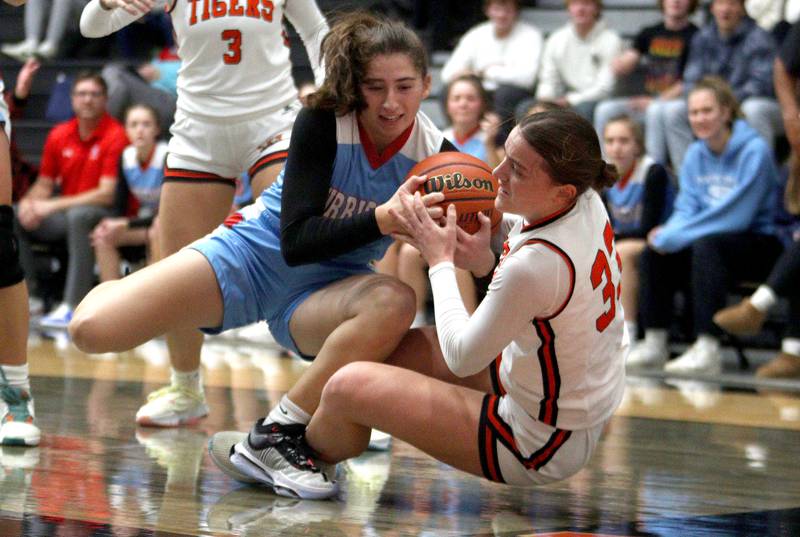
{"type": "Point", "coordinates": [553, 319]}
{"type": "Point", "coordinates": [236, 96]}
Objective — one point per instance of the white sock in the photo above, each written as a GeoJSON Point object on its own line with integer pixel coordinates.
{"type": "Point", "coordinates": [187, 379]}
{"type": "Point", "coordinates": [633, 329]}
{"type": "Point", "coordinates": [287, 413]}
{"type": "Point", "coordinates": [708, 342]}
{"type": "Point", "coordinates": [420, 319]}
{"type": "Point", "coordinates": [764, 298]}
{"type": "Point", "coordinates": [17, 376]}
{"type": "Point", "coordinates": [791, 346]}
{"type": "Point", "coordinates": [656, 336]}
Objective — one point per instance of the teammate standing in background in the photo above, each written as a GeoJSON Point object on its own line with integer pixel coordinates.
{"type": "Point", "coordinates": [236, 106]}
{"type": "Point", "coordinates": [17, 425]}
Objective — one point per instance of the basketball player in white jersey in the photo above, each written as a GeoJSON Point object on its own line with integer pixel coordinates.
{"type": "Point", "coordinates": [520, 391]}
{"type": "Point", "coordinates": [17, 425]}
{"type": "Point", "coordinates": [236, 105]}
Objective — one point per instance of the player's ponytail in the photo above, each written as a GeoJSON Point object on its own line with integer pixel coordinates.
{"type": "Point", "coordinates": [569, 145]}
{"type": "Point", "coordinates": [354, 39]}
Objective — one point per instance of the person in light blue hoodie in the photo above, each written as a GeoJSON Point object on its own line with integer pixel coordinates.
{"type": "Point", "coordinates": [721, 230]}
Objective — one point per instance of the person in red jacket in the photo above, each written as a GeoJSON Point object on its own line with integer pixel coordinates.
{"type": "Point", "coordinates": [74, 190]}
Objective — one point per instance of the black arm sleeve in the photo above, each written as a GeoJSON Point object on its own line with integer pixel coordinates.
{"type": "Point", "coordinates": [121, 193]}
{"type": "Point", "coordinates": [655, 189]}
{"type": "Point", "coordinates": [306, 235]}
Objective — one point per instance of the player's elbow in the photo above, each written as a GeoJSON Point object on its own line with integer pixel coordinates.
{"type": "Point", "coordinates": [89, 30]}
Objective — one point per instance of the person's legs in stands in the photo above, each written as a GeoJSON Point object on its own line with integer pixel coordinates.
{"type": "Point", "coordinates": [764, 115]}
{"type": "Point", "coordinates": [718, 262]}
{"type": "Point", "coordinates": [80, 221]}
{"type": "Point", "coordinates": [678, 134]}
{"type": "Point", "coordinates": [34, 17]}
{"type": "Point", "coordinates": [126, 88]}
{"type": "Point", "coordinates": [609, 108]}
{"type": "Point", "coordinates": [660, 276]}
{"type": "Point", "coordinates": [655, 139]}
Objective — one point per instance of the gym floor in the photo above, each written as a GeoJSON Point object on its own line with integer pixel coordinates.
{"type": "Point", "coordinates": [680, 457]}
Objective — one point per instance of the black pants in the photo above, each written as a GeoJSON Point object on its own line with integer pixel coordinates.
{"type": "Point", "coordinates": [705, 271]}
{"type": "Point", "coordinates": [785, 281]}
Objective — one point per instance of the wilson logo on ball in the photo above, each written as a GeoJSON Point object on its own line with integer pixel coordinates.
{"type": "Point", "coordinates": [455, 182]}
{"type": "Point", "coordinates": [466, 182]}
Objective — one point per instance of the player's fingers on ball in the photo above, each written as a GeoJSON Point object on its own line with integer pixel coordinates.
{"type": "Point", "coordinates": [433, 198]}
{"type": "Point", "coordinates": [435, 212]}
{"type": "Point", "coordinates": [414, 182]}
{"type": "Point", "coordinates": [419, 207]}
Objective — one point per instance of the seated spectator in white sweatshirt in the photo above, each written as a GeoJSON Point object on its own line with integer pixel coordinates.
{"type": "Point", "coordinates": [576, 65]}
{"type": "Point", "coordinates": [503, 51]}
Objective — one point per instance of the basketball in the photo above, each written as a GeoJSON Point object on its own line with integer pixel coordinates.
{"type": "Point", "coordinates": [466, 181]}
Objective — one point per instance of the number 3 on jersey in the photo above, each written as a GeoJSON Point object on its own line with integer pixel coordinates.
{"type": "Point", "coordinates": [601, 269]}
{"type": "Point", "coordinates": [234, 54]}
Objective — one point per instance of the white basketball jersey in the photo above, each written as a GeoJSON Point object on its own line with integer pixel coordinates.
{"type": "Point", "coordinates": [568, 369]}
{"type": "Point", "coordinates": [235, 56]}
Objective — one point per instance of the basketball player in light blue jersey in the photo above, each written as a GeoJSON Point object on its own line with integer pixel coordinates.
{"type": "Point", "coordinates": [300, 257]}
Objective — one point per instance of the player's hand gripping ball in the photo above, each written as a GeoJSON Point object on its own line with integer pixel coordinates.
{"type": "Point", "coordinates": [466, 182]}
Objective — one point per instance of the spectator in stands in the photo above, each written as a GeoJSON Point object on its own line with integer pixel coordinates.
{"type": "Point", "coordinates": [23, 173]}
{"type": "Point", "coordinates": [466, 105]}
{"type": "Point", "coordinates": [576, 66]}
{"type": "Point", "coordinates": [721, 230]}
{"type": "Point", "coordinates": [154, 83]}
{"type": "Point", "coordinates": [733, 47]}
{"type": "Point", "coordinates": [61, 13]}
{"type": "Point", "coordinates": [136, 198]}
{"type": "Point", "coordinates": [748, 316]}
{"type": "Point", "coordinates": [74, 190]}
{"type": "Point", "coordinates": [504, 52]}
{"type": "Point", "coordinates": [638, 202]}
{"type": "Point", "coordinates": [661, 50]}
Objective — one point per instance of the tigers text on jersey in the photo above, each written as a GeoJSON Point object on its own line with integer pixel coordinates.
{"type": "Point", "coordinates": [234, 55]}
{"type": "Point", "coordinates": [567, 369]}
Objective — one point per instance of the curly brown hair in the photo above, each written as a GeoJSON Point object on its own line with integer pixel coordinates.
{"type": "Point", "coordinates": [354, 40]}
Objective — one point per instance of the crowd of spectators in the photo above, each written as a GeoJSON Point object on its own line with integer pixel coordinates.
{"type": "Point", "coordinates": [692, 110]}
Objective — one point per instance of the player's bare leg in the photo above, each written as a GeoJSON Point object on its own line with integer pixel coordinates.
{"type": "Point", "coordinates": [355, 399]}
{"type": "Point", "coordinates": [16, 406]}
{"type": "Point", "coordinates": [359, 318]}
{"type": "Point", "coordinates": [264, 178]}
{"type": "Point", "coordinates": [177, 293]}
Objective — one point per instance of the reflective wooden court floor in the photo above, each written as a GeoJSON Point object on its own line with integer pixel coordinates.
{"type": "Point", "coordinates": [680, 458]}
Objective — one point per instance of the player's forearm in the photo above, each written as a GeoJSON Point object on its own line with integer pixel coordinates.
{"type": "Point", "coordinates": [100, 18]}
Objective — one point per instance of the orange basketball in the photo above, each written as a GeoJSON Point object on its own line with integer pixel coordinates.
{"type": "Point", "coordinates": [466, 181]}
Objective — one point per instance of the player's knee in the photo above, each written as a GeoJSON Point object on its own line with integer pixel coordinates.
{"type": "Point", "coordinates": [346, 385]}
{"type": "Point", "coordinates": [88, 328]}
{"type": "Point", "coordinates": [395, 302]}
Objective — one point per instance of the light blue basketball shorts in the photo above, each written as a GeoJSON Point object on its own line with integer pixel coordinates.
{"type": "Point", "coordinates": [255, 281]}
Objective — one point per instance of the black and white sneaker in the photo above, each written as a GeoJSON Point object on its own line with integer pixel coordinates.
{"type": "Point", "coordinates": [278, 456]}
